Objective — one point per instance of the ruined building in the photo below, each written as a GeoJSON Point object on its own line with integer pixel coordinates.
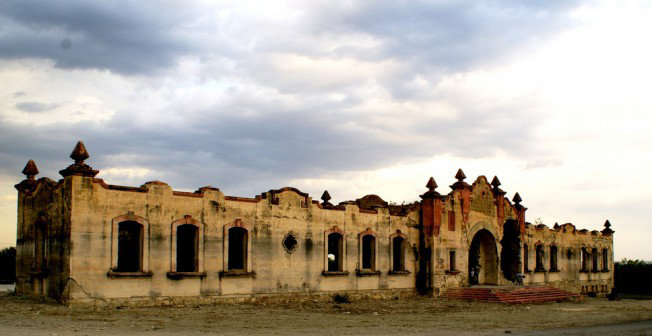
{"type": "Point", "coordinates": [83, 241]}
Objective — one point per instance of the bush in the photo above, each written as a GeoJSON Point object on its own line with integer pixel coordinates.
{"type": "Point", "coordinates": [633, 276]}
{"type": "Point", "coordinates": [341, 298]}
{"type": "Point", "coordinates": [8, 265]}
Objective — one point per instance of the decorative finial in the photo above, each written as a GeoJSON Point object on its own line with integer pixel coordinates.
{"type": "Point", "coordinates": [326, 197]}
{"type": "Point", "coordinates": [79, 154]}
{"type": "Point", "coordinates": [79, 168]}
{"type": "Point", "coordinates": [517, 199]}
{"type": "Point", "coordinates": [29, 184]}
{"type": "Point", "coordinates": [607, 228]}
{"type": "Point", "coordinates": [431, 185]}
{"type": "Point", "coordinates": [30, 169]}
{"type": "Point", "coordinates": [460, 175]}
{"type": "Point", "coordinates": [495, 182]}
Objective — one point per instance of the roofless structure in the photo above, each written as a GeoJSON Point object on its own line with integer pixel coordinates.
{"type": "Point", "coordinates": [82, 241]}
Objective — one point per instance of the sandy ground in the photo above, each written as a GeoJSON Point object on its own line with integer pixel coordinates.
{"type": "Point", "coordinates": [22, 316]}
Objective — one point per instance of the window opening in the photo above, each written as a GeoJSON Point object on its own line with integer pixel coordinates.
{"type": "Point", "coordinates": [289, 243]}
{"type": "Point", "coordinates": [129, 246]}
{"type": "Point", "coordinates": [451, 258]}
{"type": "Point", "coordinates": [539, 258]}
{"type": "Point", "coordinates": [398, 254]}
{"type": "Point", "coordinates": [553, 258]}
{"type": "Point", "coordinates": [187, 241]}
{"type": "Point", "coordinates": [335, 242]}
{"type": "Point", "coordinates": [525, 258]}
{"type": "Point", "coordinates": [237, 248]}
{"type": "Point", "coordinates": [605, 259]}
{"type": "Point", "coordinates": [368, 252]}
{"type": "Point", "coordinates": [594, 259]}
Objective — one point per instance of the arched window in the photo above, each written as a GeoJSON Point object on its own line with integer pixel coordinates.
{"type": "Point", "coordinates": [553, 258]}
{"type": "Point", "coordinates": [398, 254]}
{"type": "Point", "coordinates": [130, 246]}
{"type": "Point", "coordinates": [187, 248]}
{"type": "Point", "coordinates": [335, 246]}
{"type": "Point", "coordinates": [539, 259]}
{"type": "Point", "coordinates": [584, 260]}
{"type": "Point", "coordinates": [605, 260]}
{"type": "Point", "coordinates": [594, 259]}
{"type": "Point", "coordinates": [238, 238]}
{"type": "Point", "coordinates": [369, 252]}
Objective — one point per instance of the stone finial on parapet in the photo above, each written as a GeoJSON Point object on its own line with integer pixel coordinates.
{"type": "Point", "coordinates": [79, 153]}
{"type": "Point", "coordinates": [30, 171]}
{"type": "Point", "coordinates": [431, 193]}
{"type": "Point", "coordinates": [460, 175]}
{"type": "Point", "coordinates": [79, 168]}
{"type": "Point", "coordinates": [520, 210]}
{"type": "Point", "coordinates": [326, 197]}
{"type": "Point", "coordinates": [517, 200]}
{"type": "Point", "coordinates": [607, 229]}
{"type": "Point", "coordinates": [460, 181]}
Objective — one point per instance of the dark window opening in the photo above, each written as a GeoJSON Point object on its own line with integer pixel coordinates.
{"type": "Point", "coordinates": [369, 252]}
{"type": "Point", "coordinates": [398, 254]}
{"type": "Point", "coordinates": [335, 245]}
{"type": "Point", "coordinates": [451, 220]}
{"type": "Point", "coordinates": [451, 258]}
{"type": "Point", "coordinates": [187, 242]}
{"type": "Point", "coordinates": [594, 259]}
{"type": "Point", "coordinates": [605, 259]}
{"type": "Point", "coordinates": [289, 243]}
{"type": "Point", "coordinates": [553, 258]}
{"type": "Point", "coordinates": [584, 260]}
{"type": "Point", "coordinates": [526, 256]}
{"type": "Point", "coordinates": [539, 258]}
{"type": "Point", "coordinates": [510, 254]}
{"type": "Point", "coordinates": [130, 242]}
{"type": "Point", "coordinates": [237, 249]}
{"type": "Point", "coordinates": [39, 246]}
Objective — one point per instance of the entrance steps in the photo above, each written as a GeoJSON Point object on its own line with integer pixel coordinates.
{"type": "Point", "coordinates": [510, 294]}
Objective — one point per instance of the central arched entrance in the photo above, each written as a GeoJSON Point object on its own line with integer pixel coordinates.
{"type": "Point", "coordinates": [483, 259]}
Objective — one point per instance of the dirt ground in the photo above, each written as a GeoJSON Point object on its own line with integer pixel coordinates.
{"type": "Point", "coordinates": [426, 315]}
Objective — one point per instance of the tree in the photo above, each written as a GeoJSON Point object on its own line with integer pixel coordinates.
{"type": "Point", "coordinates": [8, 265]}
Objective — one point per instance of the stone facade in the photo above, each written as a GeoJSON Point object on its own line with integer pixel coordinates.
{"type": "Point", "coordinates": [82, 241]}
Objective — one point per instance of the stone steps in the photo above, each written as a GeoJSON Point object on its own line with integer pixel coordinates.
{"type": "Point", "coordinates": [528, 294]}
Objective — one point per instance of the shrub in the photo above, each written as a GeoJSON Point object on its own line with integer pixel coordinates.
{"type": "Point", "coordinates": [341, 298]}
{"type": "Point", "coordinates": [633, 276]}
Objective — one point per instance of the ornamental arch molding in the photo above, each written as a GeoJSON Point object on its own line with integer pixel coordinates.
{"type": "Point", "coordinates": [482, 225]}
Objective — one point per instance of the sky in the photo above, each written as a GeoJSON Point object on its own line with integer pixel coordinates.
{"type": "Point", "coordinates": [356, 97]}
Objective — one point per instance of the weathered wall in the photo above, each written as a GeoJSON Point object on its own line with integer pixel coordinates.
{"type": "Point", "coordinates": [81, 216]}
{"type": "Point", "coordinates": [482, 213]}
{"type": "Point", "coordinates": [48, 205]}
{"type": "Point", "coordinates": [268, 220]}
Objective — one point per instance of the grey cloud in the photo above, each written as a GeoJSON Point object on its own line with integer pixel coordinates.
{"type": "Point", "coordinates": [123, 37]}
{"type": "Point", "coordinates": [35, 107]}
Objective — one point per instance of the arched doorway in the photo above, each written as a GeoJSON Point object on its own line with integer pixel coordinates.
{"type": "Point", "coordinates": [483, 259]}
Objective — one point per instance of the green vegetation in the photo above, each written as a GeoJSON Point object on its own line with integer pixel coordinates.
{"type": "Point", "coordinates": [8, 265]}
{"type": "Point", "coordinates": [633, 276]}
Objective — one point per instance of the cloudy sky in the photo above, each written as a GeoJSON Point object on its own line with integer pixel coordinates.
{"type": "Point", "coordinates": [356, 97]}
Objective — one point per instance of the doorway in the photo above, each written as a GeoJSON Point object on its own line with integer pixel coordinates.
{"type": "Point", "coordinates": [483, 259]}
